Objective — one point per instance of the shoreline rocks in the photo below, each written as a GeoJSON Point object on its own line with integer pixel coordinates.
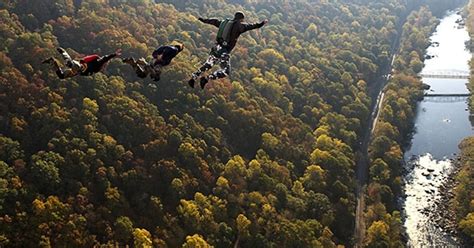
{"type": "Point", "coordinates": [442, 214]}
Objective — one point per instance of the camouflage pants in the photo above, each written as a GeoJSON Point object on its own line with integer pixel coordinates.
{"type": "Point", "coordinates": [223, 60]}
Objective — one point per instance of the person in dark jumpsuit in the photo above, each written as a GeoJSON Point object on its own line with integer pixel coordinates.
{"type": "Point", "coordinates": [162, 56]}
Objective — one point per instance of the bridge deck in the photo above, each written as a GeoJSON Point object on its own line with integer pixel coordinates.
{"type": "Point", "coordinates": [444, 76]}
{"type": "Point", "coordinates": [448, 95]}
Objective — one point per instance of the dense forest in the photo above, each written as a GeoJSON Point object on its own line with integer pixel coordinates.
{"type": "Point", "coordinates": [464, 192]}
{"type": "Point", "coordinates": [463, 202]}
{"type": "Point", "coordinates": [263, 159]}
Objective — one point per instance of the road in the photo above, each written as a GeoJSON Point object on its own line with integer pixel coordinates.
{"type": "Point", "coordinates": [362, 163]}
{"type": "Point", "coordinates": [362, 171]}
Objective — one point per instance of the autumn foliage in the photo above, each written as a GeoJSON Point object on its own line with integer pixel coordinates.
{"type": "Point", "coordinates": [262, 159]}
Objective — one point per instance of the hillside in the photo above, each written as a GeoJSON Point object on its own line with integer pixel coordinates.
{"type": "Point", "coordinates": [263, 159]}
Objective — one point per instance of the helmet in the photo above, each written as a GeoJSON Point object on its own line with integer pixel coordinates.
{"type": "Point", "coordinates": [179, 46]}
{"type": "Point", "coordinates": [239, 15]}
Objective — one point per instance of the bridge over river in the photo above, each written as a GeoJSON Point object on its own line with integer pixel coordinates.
{"type": "Point", "coordinates": [449, 74]}
{"type": "Point", "coordinates": [446, 97]}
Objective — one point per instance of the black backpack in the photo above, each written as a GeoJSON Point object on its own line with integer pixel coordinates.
{"type": "Point", "coordinates": [225, 30]}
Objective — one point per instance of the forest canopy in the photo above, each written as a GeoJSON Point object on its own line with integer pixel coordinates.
{"type": "Point", "coordinates": [263, 159]}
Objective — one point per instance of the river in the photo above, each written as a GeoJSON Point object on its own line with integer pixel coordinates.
{"type": "Point", "coordinates": [440, 125]}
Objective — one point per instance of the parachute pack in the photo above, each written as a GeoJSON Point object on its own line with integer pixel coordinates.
{"type": "Point", "coordinates": [225, 29]}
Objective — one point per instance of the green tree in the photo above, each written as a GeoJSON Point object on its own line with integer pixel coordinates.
{"type": "Point", "coordinates": [45, 168]}
{"type": "Point", "coordinates": [124, 229]}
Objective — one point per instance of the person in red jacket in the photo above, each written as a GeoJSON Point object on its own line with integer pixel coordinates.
{"type": "Point", "coordinates": [85, 66]}
{"type": "Point", "coordinates": [227, 36]}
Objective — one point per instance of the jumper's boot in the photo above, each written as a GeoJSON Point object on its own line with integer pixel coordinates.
{"type": "Point", "coordinates": [203, 82]}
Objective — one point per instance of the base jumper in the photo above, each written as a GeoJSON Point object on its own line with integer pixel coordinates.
{"type": "Point", "coordinates": [85, 66]}
{"type": "Point", "coordinates": [227, 36]}
{"type": "Point", "coordinates": [161, 58]}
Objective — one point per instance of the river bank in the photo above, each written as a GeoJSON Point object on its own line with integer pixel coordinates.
{"type": "Point", "coordinates": [463, 203]}
{"type": "Point", "coordinates": [442, 212]}
{"type": "Point", "coordinates": [428, 193]}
